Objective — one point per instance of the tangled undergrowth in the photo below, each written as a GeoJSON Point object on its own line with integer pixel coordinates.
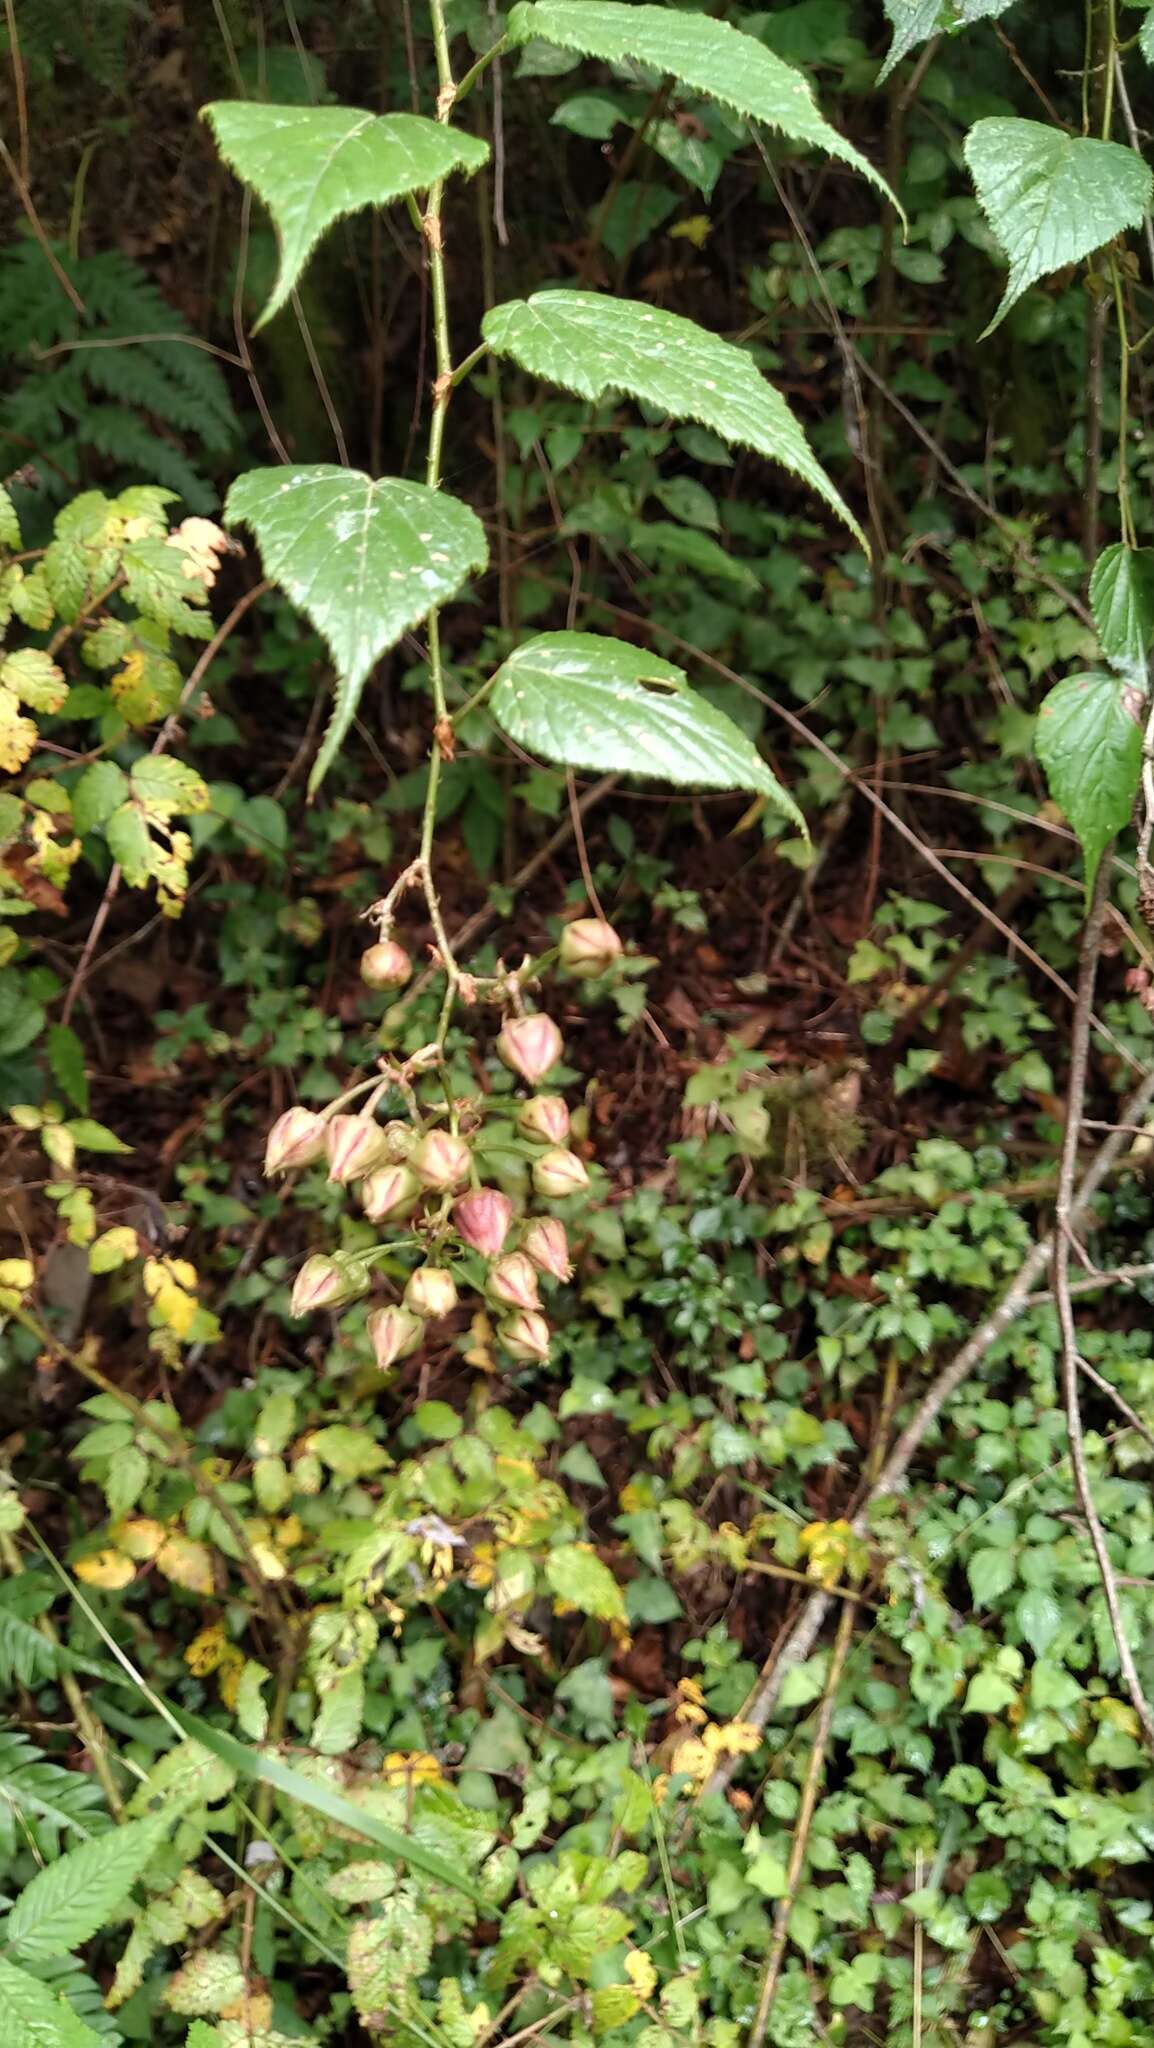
{"type": "Point", "coordinates": [577, 1360]}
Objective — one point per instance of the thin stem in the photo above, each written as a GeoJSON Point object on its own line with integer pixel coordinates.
{"type": "Point", "coordinates": [482, 64]}
{"type": "Point", "coordinates": [1124, 513]}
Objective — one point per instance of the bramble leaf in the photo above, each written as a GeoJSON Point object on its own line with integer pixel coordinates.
{"type": "Point", "coordinates": [1089, 741]}
{"type": "Point", "coordinates": [586, 701]}
{"type": "Point", "coordinates": [592, 344]}
{"type": "Point", "coordinates": [1051, 198]}
{"type": "Point", "coordinates": [313, 165]}
{"type": "Point", "coordinates": [364, 559]}
{"type": "Point", "coordinates": [1122, 601]}
{"type": "Point", "coordinates": [711, 56]}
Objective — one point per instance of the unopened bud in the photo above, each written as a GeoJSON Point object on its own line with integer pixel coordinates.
{"type": "Point", "coordinates": [547, 1245]}
{"type": "Point", "coordinates": [546, 1118]}
{"type": "Point", "coordinates": [441, 1160]}
{"type": "Point", "coordinates": [558, 1172]}
{"type": "Point", "coordinates": [296, 1139]}
{"type": "Point", "coordinates": [483, 1219]}
{"type": "Point", "coordinates": [512, 1282]}
{"type": "Point", "coordinates": [389, 1191]}
{"type": "Point", "coordinates": [393, 1333]}
{"type": "Point", "coordinates": [355, 1144]}
{"type": "Point", "coordinates": [525, 1335]}
{"type": "Point", "coordinates": [399, 1140]}
{"type": "Point", "coordinates": [530, 1045]}
{"type": "Point", "coordinates": [432, 1291]}
{"type": "Point", "coordinates": [589, 947]}
{"type": "Point", "coordinates": [325, 1283]}
{"type": "Point", "coordinates": [386, 965]}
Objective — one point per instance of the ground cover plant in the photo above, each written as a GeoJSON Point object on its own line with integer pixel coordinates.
{"type": "Point", "coordinates": [576, 1025]}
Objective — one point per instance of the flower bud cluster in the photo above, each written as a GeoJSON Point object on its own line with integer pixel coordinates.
{"type": "Point", "coordinates": [418, 1180]}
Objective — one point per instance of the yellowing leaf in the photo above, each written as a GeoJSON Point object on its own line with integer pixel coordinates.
{"type": "Point", "coordinates": [169, 1284]}
{"type": "Point", "coordinates": [112, 1249]}
{"type": "Point", "coordinates": [697, 229]}
{"type": "Point", "coordinates": [412, 1767]}
{"type": "Point", "coordinates": [639, 1968]}
{"type": "Point", "coordinates": [141, 1538]}
{"type": "Point", "coordinates": [207, 1651]}
{"type": "Point", "coordinates": [18, 735]}
{"type": "Point", "coordinates": [200, 542]}
{"type": "Point", "coordinates": [108, 1569]}
{"type": "Point", "coordinates": [16, 1277]}
{"type": "Point", "coordinates": [187, 1564]}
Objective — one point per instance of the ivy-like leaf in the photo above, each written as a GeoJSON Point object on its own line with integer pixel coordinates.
{"type": "Point", "coordinates": [1089, 741]}
{"type": "Point", "coordinates": [710, 56]}
{"type": "Point", "coordinates": [313, 165]}
{"type": "Point", "coordinates": [67, 1901]}
{"type": "Point", "coordinates": [363, 560]}
{"type": "Point", "coordinates": [1122, 601]}
{"type": "Point", "coordinates": [36, 2016]}
{"type": "Point", "coordinates": [592, 344]}
{"type": "Point", "coordinates": [1051, 198]}
{"type": "Point", "coordinates": [586, 701]}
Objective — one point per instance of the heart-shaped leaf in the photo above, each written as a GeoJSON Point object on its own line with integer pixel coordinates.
{"type": "Point", "coordinates": [1051, 198]}
{"type": "Point", "coordinates": [586, 701]}
{"type": "Point", "coordinates": [312, 165]}
{"type": "Point", "coordinates": [592, 344]}
{"type": "Point", "coordinates": [1089, 741]}
{"type": "Point", "coordinates": [363, 560]}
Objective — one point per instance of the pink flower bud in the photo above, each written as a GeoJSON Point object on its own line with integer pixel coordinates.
{"type": "Point", "coordinates": [440, 1161]}
{"type": "Point", "coordinates": [558, 1172]}
{"type": "Point", "coordinates": [296, 1139]}
{"type": "Point", "coordinates": [325, 1283]}
{"type": "Point", "coordinates": [530, 1045]}
{"type": "Point", "coordinates": [546, 1244]}
{"type": "Point", "coordinates": [525, 1336]}
{"type": "Point", "coordinates": [512, 1282]}
{"type": "Point", "coordinates": [544, 1117]}
{"type": "Point", "coordinates": [393, 1333]}
{"type": "Point", "coordinates": [389, 1191]}
{"type": "Point", "coordinates": [386, 965]}
{"type": "Point", "coordinates": [589, 947]}
{"type": "Point", "coordinates": [432, 1291]}
{"type": "Point", "coordinates": [355, 1144]}
{"type": "Point", "coordinates": [483, 1219]}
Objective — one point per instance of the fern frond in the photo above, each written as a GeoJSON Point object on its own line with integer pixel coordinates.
{"type": "Point", "coordinates": [26, 1657]}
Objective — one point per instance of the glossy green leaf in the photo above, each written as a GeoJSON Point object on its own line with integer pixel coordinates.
{"type": "Point", "coordinates": [710, 56]}
{"type": "Point", "coordinates": [1051, 198]}
{"type": "Point", "coordinates": [592, 344]}
{"type": "Point", "coordinates": [1089, 741]}
{"type": "Point", "coordinates": [363, 560]}
{"type": "Point", "coordinates": [67, 1901]}
{"type": "Point", "coordinates": [35, 2016]}
{"type": "Point", "coordinates": [1146, 37]}
{"type": "Point", "coordinates": [345, 1813]}
{"type": "Point", "coordinates": [1122, 601]}
{"type": "Point", "coordinates": [586, 701]}
{"type": "Point", "coordinates": [313, 165]}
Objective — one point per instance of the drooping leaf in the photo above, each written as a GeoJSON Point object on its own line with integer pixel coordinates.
{"type": "Point", "coordinates": [592, 344]}
{"type": "Point", "coordinates": [1122, 601]}
{"type": "Point", "coordinates": [915, 21]}
{"type": "Point", "coordinates": [1089, 741]}
{"type": "Point", "coordinates": [313, 165]}
{"type": "Point", "coordinates": [67, 1901]}
{"type": "Point", "coordinates": [710, 56]}
{"type": "Point", "coordinates": [1051, 198]}
{"type": "Point", "coordinates": [35, 2016]}
{"type": "Point", "coordinates": [363, 560]}
{"type": "Point", "coordinates": [272, 1770]}
{"type": "Point", "coordinates": [586, 701]}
